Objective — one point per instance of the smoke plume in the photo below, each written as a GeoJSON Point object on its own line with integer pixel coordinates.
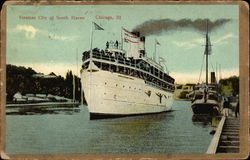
{"type": "Point", "coordinates": [165, 25]}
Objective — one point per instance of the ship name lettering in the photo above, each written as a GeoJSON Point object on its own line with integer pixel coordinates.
{"type": "Point", "coordinates": [104, 17]}
{"type": "Point", "coordinates": [62, 17]}
{"type": "Point", "coordinates": [77, 18]}
{"type": "Point", "coordinates": [42, 18]}
{"type": "Point", "coordinates": [27, 17]}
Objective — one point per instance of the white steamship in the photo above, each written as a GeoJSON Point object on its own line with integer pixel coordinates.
{"type": "Point", "coordinates": [122, 83]}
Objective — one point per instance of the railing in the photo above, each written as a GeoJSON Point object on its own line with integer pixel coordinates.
{"type": "Point", "coordinates": [117, 58]}
{"type": "Point", "coordinates": [124, 61]}
{"type": "Point", "coordinates": [215, 141]}
{"type": "Point", "coordinates": [116, 45]}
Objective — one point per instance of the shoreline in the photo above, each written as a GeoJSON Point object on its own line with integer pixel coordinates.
{"type": "Point", "coordinates": [42, 104]}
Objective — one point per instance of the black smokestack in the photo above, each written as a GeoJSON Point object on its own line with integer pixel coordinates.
{"type": "Point", "coordinates": [165, 25]}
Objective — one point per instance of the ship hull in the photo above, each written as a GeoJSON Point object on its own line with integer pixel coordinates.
{"type": "Point", "coordinates": [110, 95]}
{"type": "Point", "coordinates": [94, 116]}
{"type": "Point", "coordinates": [205, 108]}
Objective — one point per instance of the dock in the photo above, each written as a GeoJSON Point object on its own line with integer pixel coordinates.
{"type": "Point", "coordinates": [226, 137]}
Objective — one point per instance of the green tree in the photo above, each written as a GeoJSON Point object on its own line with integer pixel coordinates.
{"type": "Point", "coordinates": [230, 85]}
{"type": "Point", "coordinates": [21, 79]}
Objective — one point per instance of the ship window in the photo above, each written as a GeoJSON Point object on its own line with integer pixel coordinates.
{"type": "Point", "coordinates": [179, 87]}
{"type": "Point", "coordinates": [198, 96]}
{"type": "Point", "coordinates": [213, 97]}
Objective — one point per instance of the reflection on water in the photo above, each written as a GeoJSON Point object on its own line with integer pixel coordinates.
{"type": "Point", "coordinates": [140, 124]}
{"type": "Point", "coordinates": [39, 110]}
{"type": "Point", "coordinates": [204, 120]}
{"type": "Point", "coordinates": [50, 130]}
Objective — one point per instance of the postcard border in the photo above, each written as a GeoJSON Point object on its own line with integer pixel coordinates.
{"type": "Point", "coordinates": [244, 84]}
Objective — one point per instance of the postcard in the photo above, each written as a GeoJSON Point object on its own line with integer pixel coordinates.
{"type": "Point", "coordinates": [124, 80]}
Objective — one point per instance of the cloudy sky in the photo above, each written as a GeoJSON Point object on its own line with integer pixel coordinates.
{"type": "Point", "coordinates": [50, 43]}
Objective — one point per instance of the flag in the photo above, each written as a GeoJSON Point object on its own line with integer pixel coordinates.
{"type": "Point", "coordinates": [161, 59]}
{"type": "Point", "coordinates": [97, 27]}
{"type": "Point", "coordinates": [156, 41]}
{"type": "Point", "coordinates": [130, 41]}
{"type": "Point", "coordinates": [130, 37]}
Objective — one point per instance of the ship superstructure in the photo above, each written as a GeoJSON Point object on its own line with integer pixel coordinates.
{"type": "Point", "coordinates": [121, 83]}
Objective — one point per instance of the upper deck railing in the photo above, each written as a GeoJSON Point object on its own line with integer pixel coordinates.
{"type": "Point", "coordinates": [117, 62]}
{"type": "Point", "coordinates": [121, 59]}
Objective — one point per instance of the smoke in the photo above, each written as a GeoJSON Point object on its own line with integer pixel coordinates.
{"type": "Point", "coordinates": [165, 25]}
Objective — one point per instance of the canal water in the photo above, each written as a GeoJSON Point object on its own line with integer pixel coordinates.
{"type": "Point", "coordinates": [56, 130]}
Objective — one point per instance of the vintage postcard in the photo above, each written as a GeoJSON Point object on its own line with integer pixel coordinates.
{"type": "Point", "coordinates": [124, 80]}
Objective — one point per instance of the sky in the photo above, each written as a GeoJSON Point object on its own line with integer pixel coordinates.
{"type": "Point", "coordinates": [50, 43]}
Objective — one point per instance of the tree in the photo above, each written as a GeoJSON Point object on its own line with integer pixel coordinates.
{"type": "Point", "coordinates": [230, 85]}
{"type": "Point", "coordinates": [21, 79]}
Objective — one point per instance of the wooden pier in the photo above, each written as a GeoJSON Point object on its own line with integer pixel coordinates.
{"type": "Point", "coordinates": [226, 137]}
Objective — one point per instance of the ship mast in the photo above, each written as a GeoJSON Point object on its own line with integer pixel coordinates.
{"type": "Point", "coordinates": [206, 53]}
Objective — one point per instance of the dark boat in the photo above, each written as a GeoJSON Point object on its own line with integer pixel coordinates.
{"type": "Point", "coordinates": [206, 97]}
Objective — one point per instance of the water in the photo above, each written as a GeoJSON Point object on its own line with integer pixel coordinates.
{"type": "Point", "coordinates": [55, 130]}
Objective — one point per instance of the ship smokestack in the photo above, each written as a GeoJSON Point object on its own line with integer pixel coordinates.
{"type": "Point", "coordinates": [142, 46]}
{"type": "Point", "coordinates": [213, 78]}
{"type": "Point", "coordinates": [142, 39]}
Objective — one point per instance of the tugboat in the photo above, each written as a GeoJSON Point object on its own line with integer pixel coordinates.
{"type": "Point", "coordinates": [206, 98]}
{"type": "Point", "coordinates": [123, 83]}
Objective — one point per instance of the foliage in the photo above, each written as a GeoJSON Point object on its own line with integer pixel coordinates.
{"type": "Point", "coordinates": [230, 86]}
{"type": "Point", "coordinates": [183, 95]}
{"type": "Point", "coordinates": [21, 79]}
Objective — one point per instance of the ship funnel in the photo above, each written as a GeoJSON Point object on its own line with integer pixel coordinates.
{"type": "Point", "coordinates": [142, 46]}
{"type": "Point", "coordinates": [142, 39]}
{"type": "Point", "coordinates": [213, 78]}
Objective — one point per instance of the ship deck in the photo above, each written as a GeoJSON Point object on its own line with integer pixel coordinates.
{"type": "Point", "coordinates": [129, 66]}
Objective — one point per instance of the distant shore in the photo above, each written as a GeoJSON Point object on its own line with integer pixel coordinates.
{"type": "Point", "coordinates": [42, 104]}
